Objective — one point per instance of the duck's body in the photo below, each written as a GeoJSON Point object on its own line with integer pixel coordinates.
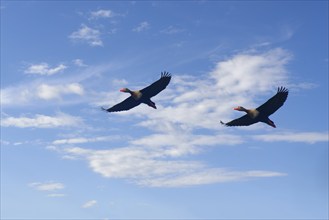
{"type": "Point", "coordinates": [139, 97]}
{"type": "Point", "coordinates": [135, 94]}
{"type": "Point", "coordinates": [252, 113]}
{"type": "Point", "coordinates": [142, 96]}
{"type": "Point", "coordinates": [262, 113]}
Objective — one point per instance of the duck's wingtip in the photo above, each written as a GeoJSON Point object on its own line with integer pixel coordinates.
{"type": "Point", "coordinates": [165, 74]}
{"type": "Point", "coordinates": [283, 89]}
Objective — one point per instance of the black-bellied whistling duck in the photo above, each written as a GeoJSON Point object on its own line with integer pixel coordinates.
{"type": "Point", "coordinates": [261, 113]}
{"type": "Point", "coordinates": [142, 96]}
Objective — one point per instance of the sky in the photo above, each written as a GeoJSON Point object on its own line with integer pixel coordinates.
{"type": "Point", "coordinates": [64, 158]}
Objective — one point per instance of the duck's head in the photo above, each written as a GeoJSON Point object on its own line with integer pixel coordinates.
{"type": "Point", "coordinates": [240, 108]}
{"type": "Point", "coordinates": [125, 90]}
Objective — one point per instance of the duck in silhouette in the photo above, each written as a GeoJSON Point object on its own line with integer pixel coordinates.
{"type": "Point", "coordinates": [262, 113]}
{"type": "Point", "coordinates": [141, 96]}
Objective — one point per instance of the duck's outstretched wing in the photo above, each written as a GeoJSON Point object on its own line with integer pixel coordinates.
{"type": "Point", "coordinates": [242, 121]}
{"type": "Point", "coordinates": [157, 86]}
{"type": "Point", "coordinates": [125, 105]}
{"type": "Point", "coordinates": [275, 102]}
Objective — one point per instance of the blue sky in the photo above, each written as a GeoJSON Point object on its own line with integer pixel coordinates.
{"type": "Point", "coordinates": [62, 157]}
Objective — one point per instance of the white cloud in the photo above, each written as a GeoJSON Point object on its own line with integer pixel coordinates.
{"type": "Point", "coordinates": [142, 27]}
{"type": "Point", "coordinates": [42, 121]}
{"type": "Point", "coordinates": [87, 34]}
{"type": "Point", "coordinates": [31, 93]}
{"type": "Point", "coordinates": [102, 14]}
{"type": "Point", "coordinates": [305, 137]}
{"type": "Point", "coordinates": [89, 204]}
{"type": "Point", "coordinates": [44, 69]}
{"type": "Point", "coordinates": [16, 95]}
{"type": "Point", "coordinates": [47, 92]}
{"type": "Point", "coordinates": [48, 186]}
{"type": "Point", "coordinates": [190, 104]}
{"type": "Point", "coordinates": [63, 88]}
{"type": "Point", "coordinates": [130, 162]}
{"type": "Point", "coordinates": [252, 73]}
{"type": "Point", "coordinates": [152, 168]}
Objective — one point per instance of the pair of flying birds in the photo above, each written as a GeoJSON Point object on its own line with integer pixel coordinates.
{"type": "Point", "coordinates": [252, 116]}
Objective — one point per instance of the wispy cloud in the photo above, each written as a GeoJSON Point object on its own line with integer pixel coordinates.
{"type": "Point", "coordinates": [302, 85]}
{"type": "Point", "coordinates": [44, 69]}
{"type": "Point", "coordinates": [209, 176]}
{"type": "Point", "coordinates": [305, 137]}
{"type": "Point", "coordinates": [87, 34]}
{"type": "Point", "coordinates": [47, 186]}
{"type": "Point", "coordinates": [79, 62]}
{"type": "Point", "coordinates": [89, 204]}
{"type": "Point", "coordinates": [60, 90]}
{"type": "Point", "coordinates": [4, 142]}
{"type": "Point", "coordinates": [172, 30]}
{"type": "Point", "coordinates": [286, 32]}
{"type": "Point", "coordinates": [141, 27]}
{"type": "Point", "coordinates": [119, 82]}
{"type": "Point", "coordinates": [42, 121]}
{"type": "Point", "coordinates": [177, 143]}
{"type": "Point", "coordinates": [153, 169]}
{"type": "Point", "coordinates": [102, 14]}
{"type": "Point", "coordinates": [82, 140]}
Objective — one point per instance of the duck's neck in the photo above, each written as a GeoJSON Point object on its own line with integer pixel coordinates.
{"type": "Point", "coordinates": [244, 109]}
{"type": "Point", "coordinates": [129, 91]}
